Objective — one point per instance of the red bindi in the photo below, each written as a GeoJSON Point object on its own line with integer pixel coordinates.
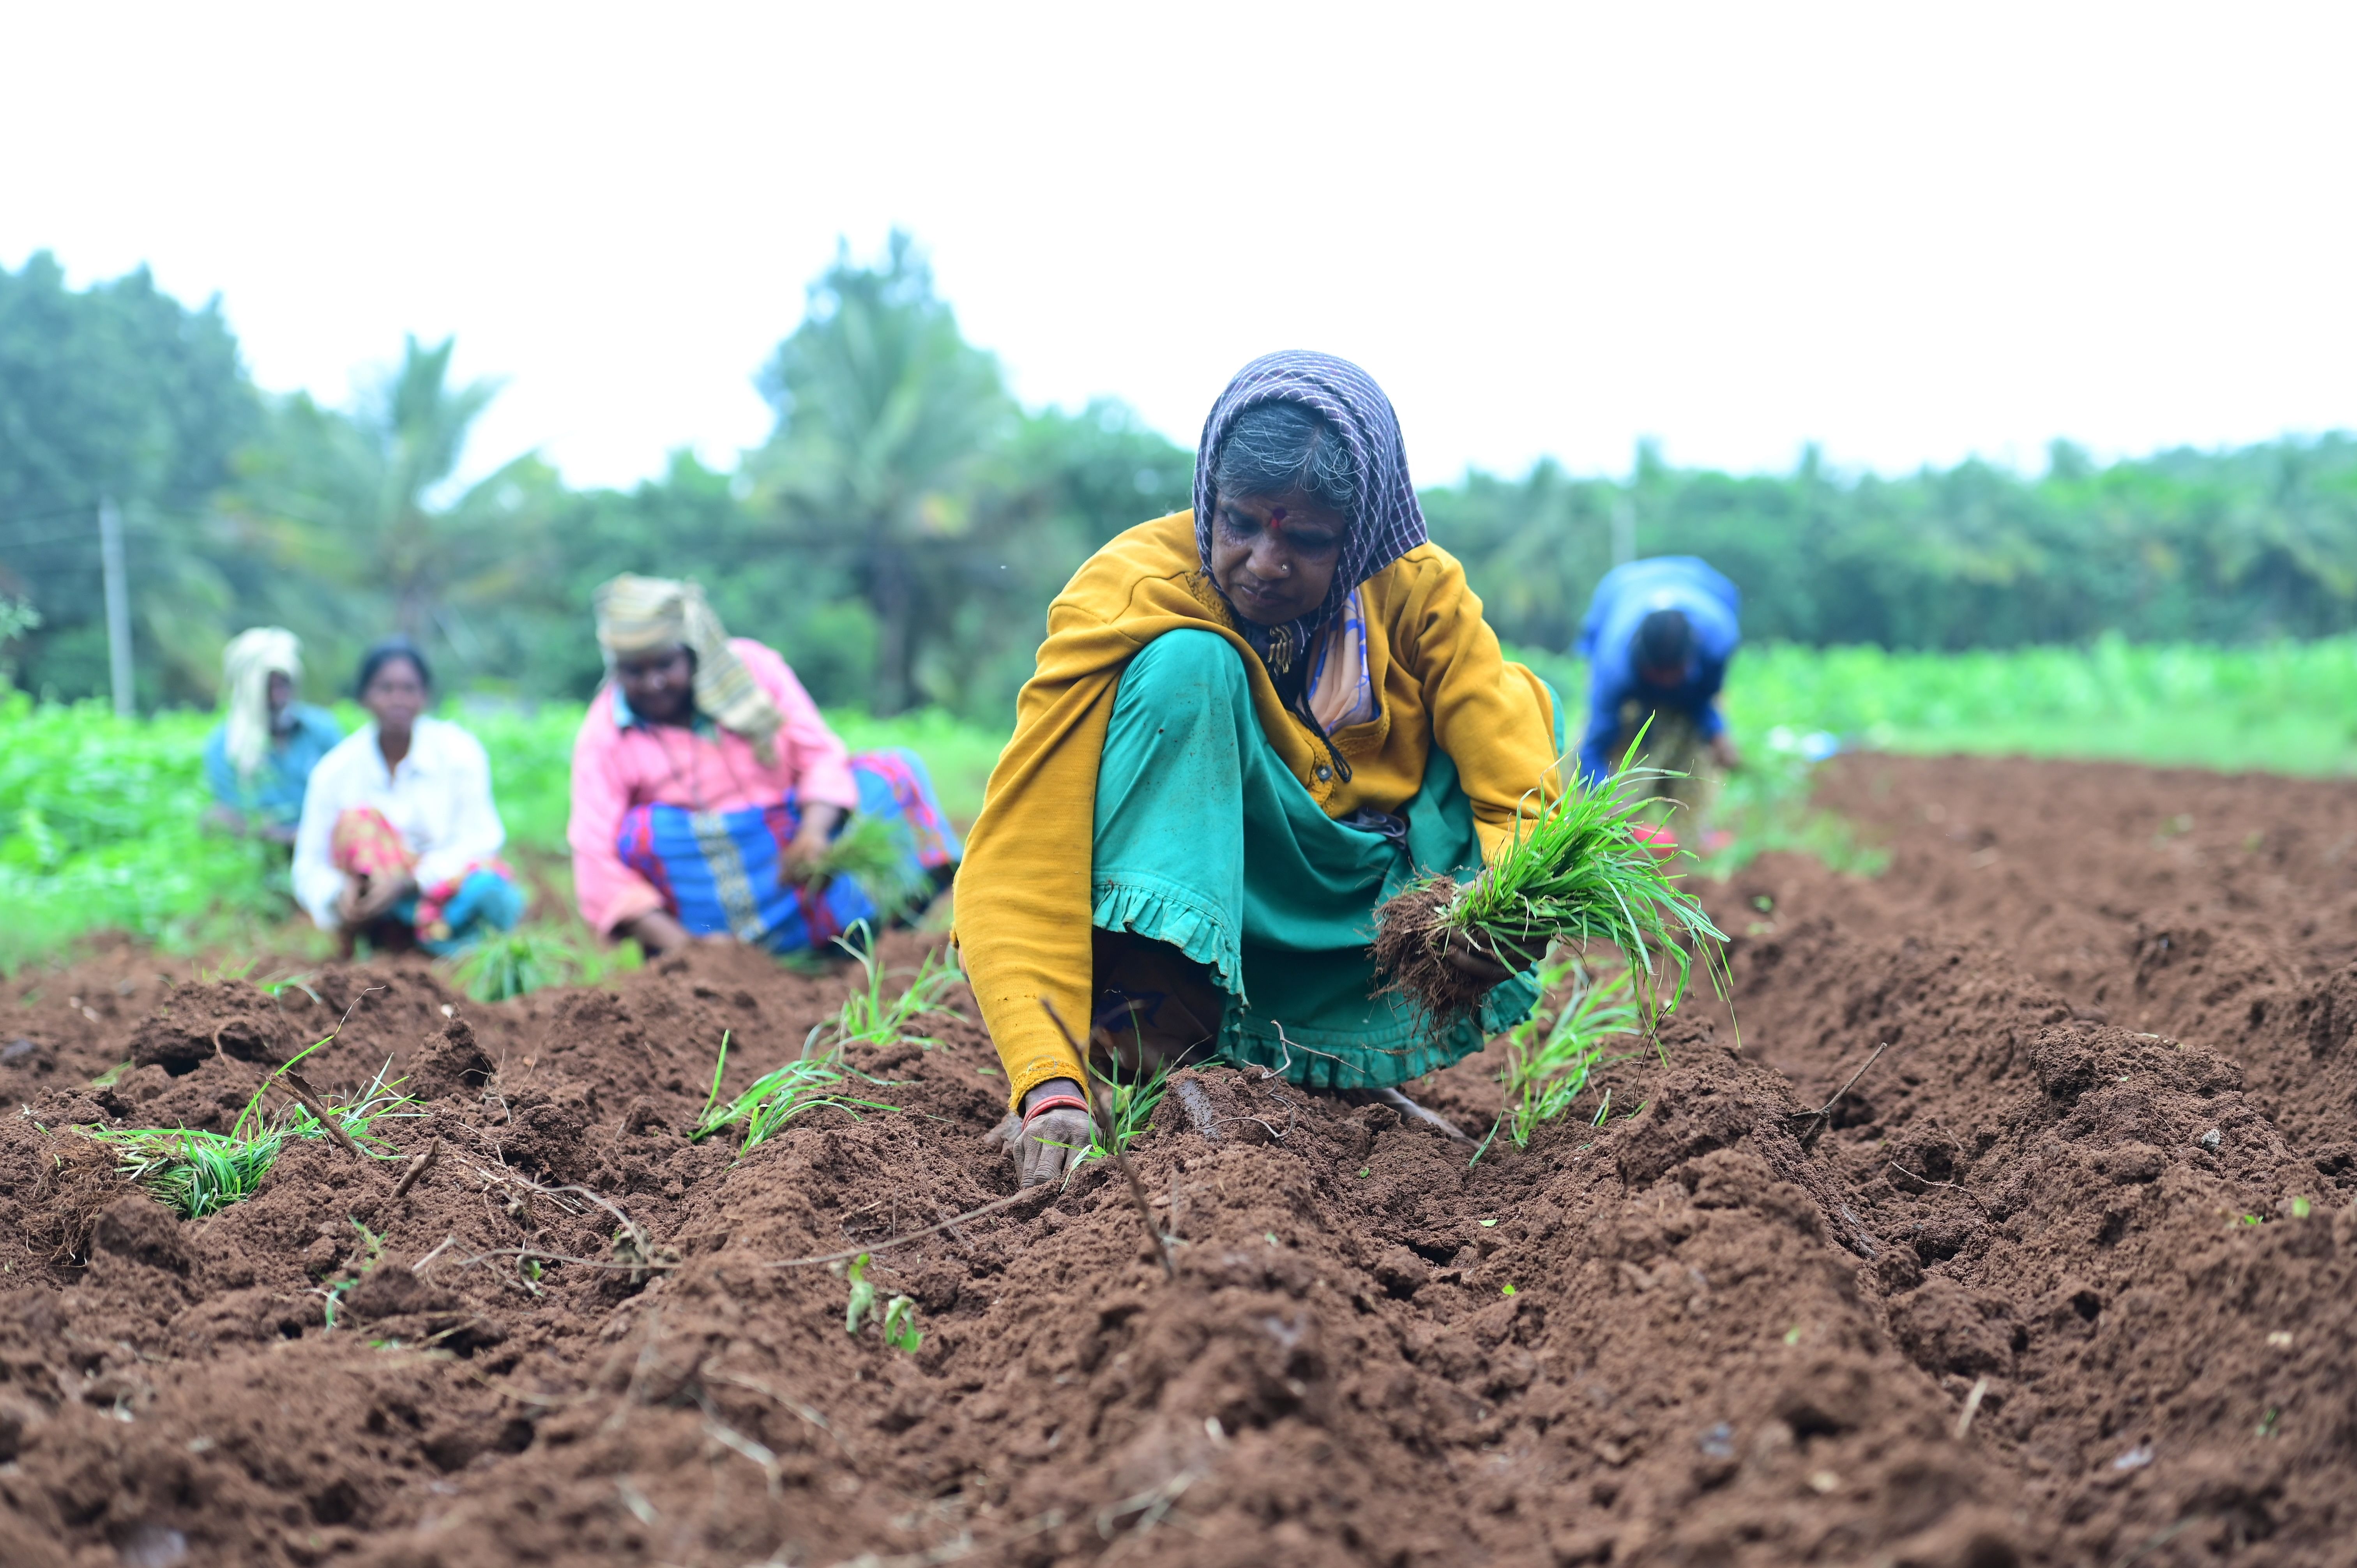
{"type": "Point", "coordinates": [1277, 520]}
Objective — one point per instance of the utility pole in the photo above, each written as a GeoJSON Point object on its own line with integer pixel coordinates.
{"type": "Point", "coordinates": [1624, 532]}
{"type": "Point", "coordinates": [118, 603]}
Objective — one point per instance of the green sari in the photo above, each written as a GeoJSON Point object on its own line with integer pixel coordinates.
{"type": "Point", "coordinates": [1205, 841]}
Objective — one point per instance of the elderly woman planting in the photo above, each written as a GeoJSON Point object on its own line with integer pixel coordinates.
{"type": "Point", "coordinates": [711, 800]}
{"type": "Point", "coordinates": [1249, 725]}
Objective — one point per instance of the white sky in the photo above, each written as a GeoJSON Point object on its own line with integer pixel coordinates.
{"type": "Point", "coordinates": [1909, 233]}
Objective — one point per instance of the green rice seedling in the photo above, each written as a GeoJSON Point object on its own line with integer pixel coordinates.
{"type": "Point", "coordinates": [1552, 1055]}
{"type": "Point", "coordinates": [197, 1173]}
{"type": "Point", "coordinates": [1133, 1100]}
{"type": "Point", "coordinates": [1575, 873]}
{"type": "Point", "coordinates": [776, 1096]}
{"type": "Point", "coordinates": [867, 1018]}
{"type": "Point", "coordinates": [293, 980]}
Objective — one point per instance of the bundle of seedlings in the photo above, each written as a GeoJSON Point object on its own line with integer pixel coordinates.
{"type": "Point", "coordinates": [1126, 1103]}
{"type": "Point", "coordinates": [1580, 871]}
{"type": "Point", "coordinates": [868, 852]}
{"type": "Point", "coordinates": [805, 1084]}
{"type": "Point", "coordinates": [197, 1173]}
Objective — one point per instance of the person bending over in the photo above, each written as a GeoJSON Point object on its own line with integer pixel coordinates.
{"type": "Point", "coordinates": [1249, 725]}
{"type": "Point", "coordinates": [1657, 638]}
{"type": "Point", "coordinates": [400, 839]}
{"type": "Point", "coordinates": [706, 789]}
{"type": "Point", "coordinates": [259, 757]}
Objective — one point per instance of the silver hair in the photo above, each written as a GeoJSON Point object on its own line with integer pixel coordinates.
{"type": "Point", "coordinates": [1276, 447]}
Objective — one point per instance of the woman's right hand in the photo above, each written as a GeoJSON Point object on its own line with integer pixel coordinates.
{"type": "Point", "coordinates": [657, 931]}
{"type": "Point", "coordinates": [1045, 1143]}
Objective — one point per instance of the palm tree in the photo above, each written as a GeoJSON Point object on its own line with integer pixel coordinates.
{"type": "Point", "coordinates": [354, 499]}
{"type": "Point", "coordinates": [886, 417]}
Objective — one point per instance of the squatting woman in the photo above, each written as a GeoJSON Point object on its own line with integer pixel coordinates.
{"type": "Point", "coordinates": [400, 840]}
{"type": "Point", "coordinates": [1249, 725]}
{"type": "Point", "coordinates": [707, 789]}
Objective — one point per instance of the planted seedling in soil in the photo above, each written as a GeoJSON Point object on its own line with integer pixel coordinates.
{"type": "Point", "coordinates": [1130, 1103]}
{"type": "Point", "coordinates": [1575, 873]}
{"type": "Point", "coordinates": [1552, 1055]}
{"type": "Point", "coordinates": [867, 1018]}
{"type": "Point", "coordinates": [198, 1173]}
{"type": "Point", "coordinates": [776, 1096]}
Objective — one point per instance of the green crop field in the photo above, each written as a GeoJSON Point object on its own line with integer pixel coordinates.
{"type": "Point", "coordinates": [98, 816]}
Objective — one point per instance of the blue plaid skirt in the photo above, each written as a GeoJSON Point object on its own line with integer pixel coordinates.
{"type": "Point", "coordinates": [722, 871]}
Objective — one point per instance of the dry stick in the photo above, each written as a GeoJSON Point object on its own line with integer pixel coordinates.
{"type": "Point", "coordinates": [417, 1169]}
{"type": "Point", "coordinates": [991, 1208]}
{"type": "Point", "coordinates": [300, 1088]}
{"type": "Point", "coordinates": [1952, 1186]}
{"type": "Point", "coordinates": [1972, 1407]}
{"type": "Point", "coordinates": [1105, 1135]}
{"type": "Point", "coordinates": [1826, 1109]}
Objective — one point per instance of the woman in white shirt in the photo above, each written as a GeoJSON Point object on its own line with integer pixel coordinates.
{"type": "Point", "coordinates": [400, 840]}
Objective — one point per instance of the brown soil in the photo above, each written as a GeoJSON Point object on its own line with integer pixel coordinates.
{"type": "Point", "coordinates": [2096, 1195]}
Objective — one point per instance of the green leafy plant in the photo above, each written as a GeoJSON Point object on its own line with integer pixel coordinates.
{"type": "Point", "coordinates": [898, 1323]}
{"type": "Point", "coordinates": [197, 1173]}
{"type": "Point", "coordinates": [1577, 871]}
{"type": "Point", "coordinates": [900, 1330]}
{"type": "Point", "coordinates": [805, 1084]}
{"type": "Point", "coordinates": [1552, 1055]}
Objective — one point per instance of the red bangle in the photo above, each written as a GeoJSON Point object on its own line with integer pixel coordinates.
{"type": "Point", "coordinates": [1055, 1103]}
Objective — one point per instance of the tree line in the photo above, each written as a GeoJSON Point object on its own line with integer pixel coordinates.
{"type": "Point", "coordinates": [899, 532]}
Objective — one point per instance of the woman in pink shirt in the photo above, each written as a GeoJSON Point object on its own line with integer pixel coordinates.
{"type": "Point", "coordinates": [707, 790]}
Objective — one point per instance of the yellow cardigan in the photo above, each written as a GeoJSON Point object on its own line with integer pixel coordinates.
{"type": "Point", "coordinates": [1023, 900]}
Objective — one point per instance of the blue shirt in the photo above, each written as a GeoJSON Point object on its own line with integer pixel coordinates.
{"type": "Point", "coordinates": [275, 794]}
{"type": "Point", "coordinates": [1623, 599]}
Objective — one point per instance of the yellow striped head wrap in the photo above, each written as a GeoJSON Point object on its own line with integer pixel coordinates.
{"type": "Point", "coordinates": [640, 615]}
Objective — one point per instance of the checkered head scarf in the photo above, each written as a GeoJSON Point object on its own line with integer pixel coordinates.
{"type": "Point", "coordinates": [641, 615]}
{"type": "Point", "coordinates": [1387, 523]}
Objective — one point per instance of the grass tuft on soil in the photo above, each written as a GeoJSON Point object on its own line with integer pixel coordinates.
{"type": "Point", "coordinates": [196, 1172]}
{"type": "Point", "coordinates": [509, 964]}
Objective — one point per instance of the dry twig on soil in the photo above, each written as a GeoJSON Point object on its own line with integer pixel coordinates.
{"type": "Point", "coordinates": [417, 1169]}
{"type": "Point", "coordinates": [1111, 1139]}
{"type": "Point", "coordinates": [316, 1104]}
{"type": "Point", "coordinates": [1817, 1117]}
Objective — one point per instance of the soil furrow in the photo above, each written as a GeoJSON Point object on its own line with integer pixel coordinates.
{"type": "Point", "coordinates": [2064, 1277]}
